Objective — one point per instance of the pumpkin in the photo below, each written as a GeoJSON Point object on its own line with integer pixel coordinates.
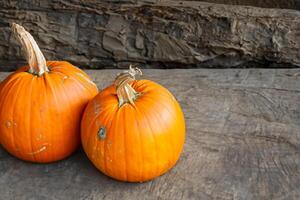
{"type": "Point", "coordinates": [41, 105]}
{"type": "Point", "coordinates": [133, 130]}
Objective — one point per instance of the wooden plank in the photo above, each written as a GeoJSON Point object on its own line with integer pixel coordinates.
{"type": "Point", "coordinates": [243, 142]}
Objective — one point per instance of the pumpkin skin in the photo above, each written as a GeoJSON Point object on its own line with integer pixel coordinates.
{"type": "Point", "coordinates": [41, 105]}
{"type": "Point", "coordinates": [134, 142]}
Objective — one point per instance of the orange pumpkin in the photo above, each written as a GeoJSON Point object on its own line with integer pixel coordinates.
{"type": "Point", "coordinates": [41, 106]}
{"type": "Point", "coordinates": [133, 130]}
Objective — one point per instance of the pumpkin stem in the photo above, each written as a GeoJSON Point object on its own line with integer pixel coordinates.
{"type": "Point", "coordinates": [34, 56]}
{"type": "Point", "coordinates": [125, 93]}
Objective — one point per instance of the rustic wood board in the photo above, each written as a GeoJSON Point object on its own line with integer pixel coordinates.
{"type": "Point", "coordinates": [243, 142]}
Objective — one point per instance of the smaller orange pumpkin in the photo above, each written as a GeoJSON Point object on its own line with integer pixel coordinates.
{"type": "Point", "coordinates": [41, 105]}
{"type": "Point", "coordinates": [133, 130]}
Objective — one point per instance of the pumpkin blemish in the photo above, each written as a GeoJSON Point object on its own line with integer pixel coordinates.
{"type": "Point", "coordinates": [102, 133]}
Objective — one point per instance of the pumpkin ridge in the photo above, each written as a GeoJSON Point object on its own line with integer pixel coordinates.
{"type": "Point", "coordinates": [11, 78]}
{"type": "Point", "coordinates": [46, 103]}
{"type": "Point", "coordinates": [155, 89]}
{"type": "Point", "coordinates": [141, 145]}
{"type": "Point", "coordinates": [90, 125]}
{"type": "Point", "coordinates": [49, 85]}
{"type": "Point", "coordinates": [108, 145]}
{"type": "Point", "coordinates": [163, 103]}
{"type": "Point", "coordinates": [154, 139]}
{"type": "Point", "coordinates": [124, 130]}
{"type": "Point", "coordinates": [158, 89]}
{"type": "Point", "coordinates": [83, 76]}
{"type": "Point", "coordinates": [104, 141]}
{"type": "Point", "coordinates": [22, 87]}
{"type": "Point", "coordinates": [108, 128]}
{"type": "Point", "coordinates": [91, 122]}
{"type": "Point", "coordinates": [12, 111]}
{"type": "Point", "coordinates": [29, 96]}
{"type": "Point", "coordinates": [79, 82]}
{"type": "Point", "coordinates": [67, 98]}
{"type": "Point", "coordinates": [80, 87]}
{"type": "Point", "coordinates": [8, 88]}
{"type": "Point", "coordinates": [88, 140]}
{"type": "Point", "coordinates": [157, 117]}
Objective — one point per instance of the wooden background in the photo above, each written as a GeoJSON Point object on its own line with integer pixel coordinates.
{"type": "Point", "coordinates": [155, 34]}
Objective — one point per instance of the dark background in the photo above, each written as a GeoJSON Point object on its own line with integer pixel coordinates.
{"type": "Point", "coordinates": [156, 34]}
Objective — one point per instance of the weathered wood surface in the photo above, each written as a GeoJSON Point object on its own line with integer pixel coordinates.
{"type": "Point", "coordinates": [160, 34]}
{"type": "Point", "coordinates": [243, 142]}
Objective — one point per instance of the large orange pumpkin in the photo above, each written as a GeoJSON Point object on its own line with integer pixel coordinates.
{"type": "Point", "coordinates": [41, 106]}
{"type": "Point", "coordinates": [133, 130]}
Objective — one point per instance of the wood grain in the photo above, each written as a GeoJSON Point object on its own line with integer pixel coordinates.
{"type": "Point", "coordinates": [243, 142]}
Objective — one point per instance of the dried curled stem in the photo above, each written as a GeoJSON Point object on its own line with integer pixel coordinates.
{"type": "Point", "coordinates": [125, 93]}
{"type": "Point", "coordinates": [34, 56]}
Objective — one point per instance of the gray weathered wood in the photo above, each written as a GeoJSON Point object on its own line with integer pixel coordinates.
{"type": "Point", "coordinates": [160, 34]}
{"type": "Point", "coordinates": [243, 142]}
